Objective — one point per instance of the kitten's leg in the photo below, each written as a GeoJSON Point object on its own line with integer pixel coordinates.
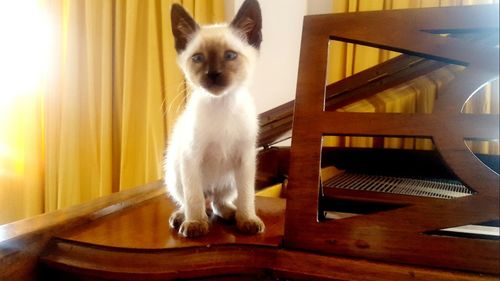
{"type": "Point", "coordinates": [172, 181]}
{"type": "Point", "coordinates": [196, 220]}
{"type": "Point", "coordinates": [246, 218]}
{"type": "Point", "coordinates": [222, 203]}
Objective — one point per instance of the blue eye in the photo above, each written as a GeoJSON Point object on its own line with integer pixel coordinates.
{"type": "Point", "coordinates": [230, 55]}
{"type": "Point", "coordinates": [198, 58]}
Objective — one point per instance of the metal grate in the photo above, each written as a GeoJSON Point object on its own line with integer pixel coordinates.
{"type": "Point", "coordinates": [437, 188]}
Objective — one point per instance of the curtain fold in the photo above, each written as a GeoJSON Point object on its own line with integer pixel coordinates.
{"type": "Point", "coordinates": [101, 119]}
{"type": "Point", "coordinates": [79, 107]}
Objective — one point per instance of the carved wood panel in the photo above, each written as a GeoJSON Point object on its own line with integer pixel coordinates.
{"type": "Point", "coordinates": [399, 235]}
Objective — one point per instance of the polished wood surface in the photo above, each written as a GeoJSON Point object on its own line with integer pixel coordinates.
{"type": "Point", "coordinates": [398, 235]}
{"type": "Point", "coordinates": [146, 227]}
{"type": "Point", "coordinates": [72, 261]}
{"type": "Point", "coordinates": [136, 244]}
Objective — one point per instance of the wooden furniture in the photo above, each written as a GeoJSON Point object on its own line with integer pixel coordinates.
{"type": "Point", "coordinates": [392, 237]}
{"type": "Point", "coordinates": [400, 234]}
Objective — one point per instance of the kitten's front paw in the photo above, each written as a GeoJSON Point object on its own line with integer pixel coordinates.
{"type": "Point", "coordinates": [176, 219]}
{"type": "Point", "coordinates": [250, 225]}
{"type": "Point", "coordinates": [192, 229]}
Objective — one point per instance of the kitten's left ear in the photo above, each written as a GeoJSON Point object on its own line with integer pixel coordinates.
{"type": "Point", "coordinates": [248, 21]}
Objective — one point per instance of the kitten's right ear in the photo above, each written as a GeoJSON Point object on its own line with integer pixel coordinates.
{"type": "Point", "coordinates": [183, 26]}
{"type": "Point", "coordinates": [248, 21]}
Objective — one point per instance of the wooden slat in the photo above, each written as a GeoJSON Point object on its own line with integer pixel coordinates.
{"type": "Point", "coordinates": [364, 87]}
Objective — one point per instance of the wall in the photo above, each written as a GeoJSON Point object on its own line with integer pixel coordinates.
{"type": "Point", "coordinates": [276, 74]}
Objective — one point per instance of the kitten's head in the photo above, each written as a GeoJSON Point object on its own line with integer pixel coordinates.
{"type": "Point", "coordinates": [218, 58]}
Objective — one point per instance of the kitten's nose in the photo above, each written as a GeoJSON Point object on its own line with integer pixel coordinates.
{"type": "Point", "coordinates": [213, 75]}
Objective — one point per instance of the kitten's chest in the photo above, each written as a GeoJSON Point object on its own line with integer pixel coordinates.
{"type": "Point", "coordinates": [222, 143]}
{"type": "Point", "coordinates": [224, 133]}
{"type": "Point", "coordinates": [226, 125]}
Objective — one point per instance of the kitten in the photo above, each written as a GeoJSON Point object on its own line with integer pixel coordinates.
{"type": "Point", "coordinates": [212, 148]}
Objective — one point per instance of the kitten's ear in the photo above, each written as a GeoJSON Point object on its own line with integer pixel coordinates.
{"type": "Point", "coordinates": [183, 26]}
{"type": "Point", "coordinates": [248, 21]}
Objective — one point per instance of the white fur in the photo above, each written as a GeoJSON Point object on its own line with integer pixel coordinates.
{"type": "Point", "coordinates": [212, 146]}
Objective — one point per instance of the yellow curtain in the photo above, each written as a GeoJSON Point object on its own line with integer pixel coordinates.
{"type": "Point", "coordinates": [106, 106]}
{"type": "Point", "coordinates": [346, 59]}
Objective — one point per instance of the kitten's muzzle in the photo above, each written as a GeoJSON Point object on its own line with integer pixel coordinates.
{"type": "Point", "coordinates": [214, 77]}
{"type": "Point", "coordinates": [214, 82]}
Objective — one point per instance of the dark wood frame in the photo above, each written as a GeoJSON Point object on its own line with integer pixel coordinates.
{"type": "Point", "coordinates": [226, 262]}
{"type": "Point", "coordinates": [398, 235]}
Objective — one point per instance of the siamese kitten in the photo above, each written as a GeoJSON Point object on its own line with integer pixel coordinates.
{"type": "Point", "coordinates": [212, 148]}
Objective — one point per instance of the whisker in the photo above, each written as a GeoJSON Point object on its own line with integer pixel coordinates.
{"type": "Point", "coordinates": [181, 94]}
{"type": "Point", "coordinates": [181, 104]}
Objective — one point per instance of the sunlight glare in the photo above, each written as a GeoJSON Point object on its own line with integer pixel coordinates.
{"type": "Point", "coordinates": [25, 48]}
